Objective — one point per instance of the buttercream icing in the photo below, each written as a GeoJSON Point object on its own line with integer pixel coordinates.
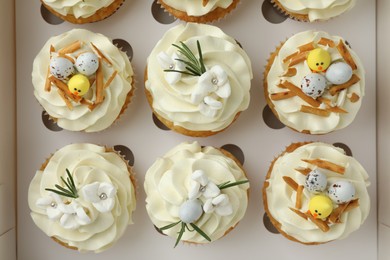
{"type": "Point", "coordinates": [195, 7]}
{"type": "Point", "coordinates": [78, 8]}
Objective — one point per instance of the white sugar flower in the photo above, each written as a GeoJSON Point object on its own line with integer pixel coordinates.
{"type": "Point", "coordinates": [171, 63]}
{"type": "Point", "coordinates": [74, 216]}
{"type": "Point", "coordinates": [52, 204]}
{"type": "Point", "coordinates": [201, 185]}
{"type": "Point", "coordinates": [210, 106]}
{"type": "Point", "coordinates": [220, 204]}
{"type": "Point", "coordinates": [100, 194]}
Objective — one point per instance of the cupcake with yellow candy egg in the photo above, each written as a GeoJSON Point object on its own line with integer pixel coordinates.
{"type": "Point", "coordinates": [314, 83]}
{"type": "Point", "coordinates": [314, 193]}
{"type": "Point", "coordinates": [82, 80]}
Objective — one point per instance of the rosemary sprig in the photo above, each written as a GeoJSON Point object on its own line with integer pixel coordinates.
{"type": "Point", "coordinates": [229, 184]}
{"type": "Point", "coordinates": [71, 190]}
{"type": "Point", "coordinates": [194, 66]}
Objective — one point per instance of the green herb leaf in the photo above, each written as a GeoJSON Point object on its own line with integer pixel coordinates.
{"type": "Point", "coordinates": [169, 226]}
{"type": "Point", "coordinates": [228, 184]}
{"type": "Point", "coordinates": [71, 192]}
{"type": "Point", "coordinates": [181, 232]}
{"type": "Point", "coordinates": [202, 67]}
{"type": "Point", "coordinates": [203, 234]}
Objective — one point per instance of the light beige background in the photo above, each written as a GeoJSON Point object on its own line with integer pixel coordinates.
{"type": "Point", "coordinates": [135, 24]}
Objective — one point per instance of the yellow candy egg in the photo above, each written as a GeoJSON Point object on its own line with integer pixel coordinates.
{"type": "Point", "coordinates": [318, 60]}
{"type": "Point", "coordinates": [320, 206]}
{"type": "Point", "coordinates": [79, 85]}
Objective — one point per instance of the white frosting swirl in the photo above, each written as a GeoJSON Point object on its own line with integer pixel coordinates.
{"type": "Point", "coordinates": [289, 109]}
{"type": "Point", "coordinates": [319, 9]}
{"type": "Point", "coordinates": [167, 185]}
{"type": "Point", "coordinates": [81, 118]}
{"type": "Point", "coordinates": [173, 101]}
{"type": "Point", "coordinates": [78, 8]}
{"type": "Point", "coordinates": [88, 163]}
{"type": "Point", "coordinates": [280, 196]}
{"type": "Point", "coordinates": [195, 7]}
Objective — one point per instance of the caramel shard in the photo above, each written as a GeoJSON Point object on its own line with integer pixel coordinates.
{"type": "Point", "coordinates": [71, 48]}
{"type": "Point", "coordinates": [291, 182]}
{"type": "Point", "coordinates": [327, 42]}
{"type": "Point", "coordinates": [326, 165]}
{"type": "Point", "coordinates": [64, 97]}
{"type": "Point", "coordinates": [299, 213]}
{"type": "Point", "coordinates": [306, 47]}
{"type": "Point", "coordinates": [52, 49]}
{"type": "Point", "coordinates": [67, 57]}
{"type": "Point", "coordinates": [320, 223]}
{"type": "Point", "coordinates": [301, 57]}
{"type": "Point", "coordinates": [343, 50]}
{"type": "Point", "coordinates": [91, 81]}
{"type": "Point", "coordinates": [282, 95]}
{"type": "Point", "coordinates": [205, 2]}
{"type": "Point", "coordinates": [315, 111]}
{"type": "Point", "coordinates": [325, 101]}
{"type": "Point", "coordinates": [334, 217]}
{"type": "Point", "coordinates": [280, 85]}
{"type": "Point", "coordinates": [354, 97]}
{"type": "Point", "coordinates": [352, 204]}
{"type": "Point", "coordinates": [100, 54]}
{"type": "Point", "coordinates": [302, 95]}
{"type": "Point", "coordinates": [304, 171]}
{"type": "Point", "coordinates": [47, 82]}
{"type": "Point", "coordinates": [99, 84]}
{"type": "Point", "coordinates": [289, 57]}
{"type": "Point", "coordinates": [290, 72]}
{"type": "Point", "coordinates": [336, 88]}
{"type": "Point", "coordinates": [86, 102]}
{"type": "Point", "coordinates": [298, 198]}
{"type": "Point", "coordinates": [108, 82]}
{"type": "Point", "coordinates": [61, 85]}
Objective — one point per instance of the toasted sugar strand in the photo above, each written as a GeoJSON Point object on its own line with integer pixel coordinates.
{"type": "Point", "coordinates": [52, 49]}
{"type": "Point", "coordinates": [354, 97]}
{"type": "Point", "coordinates": [304, 171]}
{"type": "Point", "coordinates": [100, 54]}
{"type": "Point", "coordinates": [289, 57]}
{"type": "Point", "coordinates": [65, 98]}
{"type": "Point", "coordinates": [336, 88]}
{"type": "Point", "coordinates": [282, 95]}
{"type": "Point", "coordinates": [280, 85]}
{"type": "Point", "coordinates": [327, 42]}
{"type": "Point", "coordinates": [47, 82]}
{"type": "Point", "coordinates": [205, 2]}
{"type": "Point", "coordinates": [290, 72]}
{"type": "Point", "coordinates": [91, 81]}
{"type": "Point", "coordinates": [70, 48]}
{"type": "Point", "coordinates": [306, 47]}
{"type": "Point", "coordinates": [86, 102]}
{"type": "Point", "coordinates": [291, 182]}
{"type": "Point", "coordinates": [343, 50]}
{"type": "Point", "coordinates": [320, 223]}
{"type": "Point", "coordinates": [325, 100]}
{"type": "Point", "coordinates": [61, 85]}
{"type": "Point", "coordinates": [301, 57]}
{"type": "Point", "coordinates": [99, 83]}
{"type": "Point", "coordinates": [326, 165]}
{"type": "Point", "coordinates": [298, 198]}
{"type": "Point", "coordinates": [334, 217]}
{"type": "Point", "coordinates": [352, 204]}
{"type": "Point", "coordinates": [67, 57]}
{"type": "Point", "coordinates": [315, 111]}
{"type": "Point", "coordinates": [302, 95]}
{"type": "Point", "coordinates": [108, 82]}
{"type": "Point", "coordinates": [299, 213]}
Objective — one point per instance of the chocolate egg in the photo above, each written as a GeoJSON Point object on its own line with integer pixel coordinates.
{"type": "Point", "coordinates": [87, 63]}
{"type": "Point", "coordinates": [341, 192]}
{"type": "Point", "coordinates": [61, 68]}
{"type": "Point", "coordinates": [316, 181]}
{"type": "Point", "coordinates": [339, 73]}
{"type": "Point", "coordinates": [313, 85]}
{"type": "Point", "coordinates": [190, 211]}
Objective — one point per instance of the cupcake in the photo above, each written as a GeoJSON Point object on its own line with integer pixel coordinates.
{"type": "Point", "coordinates": [83, 197]}
{"type": "Point", "coordinates": [311, 11]}
{"type": "Point", "coordinates": [197, 79]}
{"type": "Point", "coordinates": [82, 80]}
{"type": "Point", "coordinates": [82, 11]}
{"type": "Point", "coordinates": [314, 83]}
{"type": "Point", "coordinates": [199, 11]}
{"type": "Point", "coordinates": [196, 194]}
{"type": "Point", "coordinates": [314, 193]}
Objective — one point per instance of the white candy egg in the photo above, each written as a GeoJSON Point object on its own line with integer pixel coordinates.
{"type": "Point", "coordinates": [87, 63]}
{"type": "Point", "coordinates": [339, 73]}
{"type": "Point", "coordinates": [316, 181]}
{"type": "Point", "coordinates": [61, 68]}
{"type": "Point", "coordinates": [190, 211]}
{"type": "Point", "coordinates": [313, 85]}
{"type": "Point", "coordinates": [341, 192]}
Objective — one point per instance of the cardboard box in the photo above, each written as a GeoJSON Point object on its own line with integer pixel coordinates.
{"type": "Point", "coordinates": [367, 136]}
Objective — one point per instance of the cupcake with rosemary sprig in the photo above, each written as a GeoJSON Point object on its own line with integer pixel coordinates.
{"type": "Point", "coordinates": [199, 11]}
{"type": "Point", "coordinates": [83, 197]}
{"type": "Point", "coordinates": [197, 79]}
{"type": "Point", "coordinates": [196, 194]}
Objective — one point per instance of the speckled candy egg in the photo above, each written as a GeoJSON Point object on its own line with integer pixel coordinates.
{"type": "Point", "coordinates": [339, 73]}
{"type": "Point", "coordinates": [190, 211]}
{"type": "Point", "coordinates": [341, 192]}
{"type": "Point", "coordinates": [316, 181]}
{"type": "Point", "coordinates": [61, 68]}
{"type": "Point", "coordinates": [313, 85]}
{"type": "Point", "coordinates": [87, 63]}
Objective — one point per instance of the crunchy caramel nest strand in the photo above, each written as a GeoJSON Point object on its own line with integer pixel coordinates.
{"type": "Point", "coordinates": [336, 88]}
{"type": "Point", "coordinates": [301, 57]}
{"type": "Point", "coordinates": [52, 49]}
{"type": "Point", "coordinates": [61, 85]}
{"type": "Point", "coordinates": [334, 217]}
{"type": "Point", "coordinates": [99, 83]}
{"type": "Point", "coordinates": [289, 57]}
{"type": "Point", "coordinates": [326, 165]}
{"type": "Point", "coordinates": [299, 213]}
{"type": "Point", "coordinates": [343, 50]}
{"type": "Point", "coordinates": [86, 102]}
{"type": "Point", "coordinates": [47, 81]}
{"type": "Point", "coordinates": [67, 57]}
{"type": "Point", "coordinates": [306, 47]}
{"type": "Point", "coordinates": [320, 223]}
{"type": "Point", "coordinates": [282, 95]}
{"type": "Point", "coordinates": [354, 98]}
{"type": "Point", "coordinates": [70, 48]}
{"type": "Point", "coordinates": [300, 94]}
{"type": "Point", "coordinates": [291, 182]}
{"type": "Point", "coordinates": [100, 54]}
{"type": "Point", "coordinates": [315, 111]}
{"type": "Point", "coordinates": [352, 204]}
{"type": "Point", "coordinates": [65, 98]}
{"type": "Point", "coordinates": [298, 198]}
{"type": "Point", "coordinates": [327, 42]}
{"type": "Point", "coordinates": [290, 72]}
{"type": "Point", "coordinates": [205, 2]}
{"type": "Point", "coordinates": [303, 171]}
{"type": "Point", "coordinates": [108, 82]}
